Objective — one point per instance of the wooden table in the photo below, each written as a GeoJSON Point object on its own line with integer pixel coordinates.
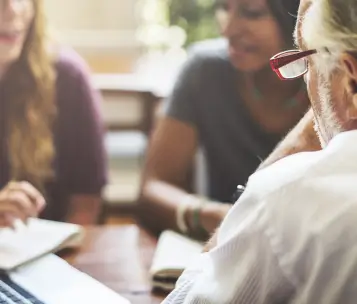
{"type": "Point", "coordinates": [120, 258]}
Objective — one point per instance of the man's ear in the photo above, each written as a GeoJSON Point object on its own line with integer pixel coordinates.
{"type": "Point", "coordinates": [349, 65]}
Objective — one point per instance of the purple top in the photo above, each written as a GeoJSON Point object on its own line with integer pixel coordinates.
{"type": "Point", "coordinates": [80, 162]}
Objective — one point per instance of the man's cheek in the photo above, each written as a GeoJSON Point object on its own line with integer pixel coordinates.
{"type": "Point", "coordinates": [310, 79]}
{"type": "Point", "coordinates": [307, 79]}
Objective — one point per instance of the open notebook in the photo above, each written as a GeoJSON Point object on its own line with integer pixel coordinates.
{"type": "Point", "coordinates": [173, 254]}
{"type": "Point", "coordinates": [38, 238]}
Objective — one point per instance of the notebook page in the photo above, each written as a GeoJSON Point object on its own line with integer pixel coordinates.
{"type": "Point", "coordinates": [174, 252]}
{"type": "Point", "coordinates": [36, 239]}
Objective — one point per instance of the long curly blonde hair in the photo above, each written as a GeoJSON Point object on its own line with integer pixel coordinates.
{"type": "Point", "coordinates": [29, 93]}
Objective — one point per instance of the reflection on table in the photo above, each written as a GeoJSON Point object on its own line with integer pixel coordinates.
{"type": "Point", "coordinates": [119, 257]}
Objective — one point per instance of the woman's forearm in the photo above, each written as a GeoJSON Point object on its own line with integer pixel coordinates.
{"type": "Point", "coordinates": [160, 204]}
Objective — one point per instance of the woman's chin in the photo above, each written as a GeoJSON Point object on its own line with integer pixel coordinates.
{"type": "Point", "coordinates": [9, 55]}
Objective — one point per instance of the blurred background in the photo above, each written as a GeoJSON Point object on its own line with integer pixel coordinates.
{"type": "Point", "coordinates": [115, 36]}
{"type": "Point", "coordinates": [134, 49]}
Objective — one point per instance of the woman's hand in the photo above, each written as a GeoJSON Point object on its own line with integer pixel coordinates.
{"type": "Point", "coordinates": [19, 201]}
{"type": "Point", "coordinates": [212, 215]}
{"type": "Point", "coordinates": [212, 242]}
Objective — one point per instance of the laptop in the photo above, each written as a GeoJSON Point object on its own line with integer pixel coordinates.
{"type": "Point", "coordinates": [11, 293]}
{"type": "Point", "coordinates": [51, 280]}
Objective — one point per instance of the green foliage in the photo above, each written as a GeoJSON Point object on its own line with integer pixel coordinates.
{"type": "Point", "coordinates": [196, 17]}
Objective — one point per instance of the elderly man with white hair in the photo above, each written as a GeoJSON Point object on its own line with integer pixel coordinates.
{"type": "Point", "coordinates": [292, 236]}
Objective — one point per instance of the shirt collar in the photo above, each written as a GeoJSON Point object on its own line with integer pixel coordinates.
{"type": "Point", "coordinates": [347, 138]}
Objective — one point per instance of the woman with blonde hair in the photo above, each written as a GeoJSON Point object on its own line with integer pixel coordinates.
{"type": "Point", "coordinates": [51, 144]}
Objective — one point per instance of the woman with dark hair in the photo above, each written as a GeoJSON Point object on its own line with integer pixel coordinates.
{"type": "Point", "coordinates": [50, 131]}
{"type": "Point", "coordinates": [227, 101]}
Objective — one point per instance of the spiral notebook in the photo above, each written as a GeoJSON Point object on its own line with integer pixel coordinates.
{"type": "Point", "coordinates": [36, 239]}
{"type": "Point", "coordinates": [174, 252]}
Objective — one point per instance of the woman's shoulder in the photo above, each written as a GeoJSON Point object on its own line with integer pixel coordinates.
{"type": "Point", "coordinates": [74, 81]}
{"type": "Point", "coordinates": [69, 65]}
{"type": "Point", "coordinates": [207, 60]}
{"type": "Point", "coordinates": [213, 52]}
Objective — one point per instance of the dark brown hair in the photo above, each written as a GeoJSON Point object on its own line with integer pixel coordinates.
{"type": "Point", "coordinates": [285, 13]}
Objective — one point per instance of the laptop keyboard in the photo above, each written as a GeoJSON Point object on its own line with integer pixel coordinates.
{"type": "Point", "coordinates": [8, 295]}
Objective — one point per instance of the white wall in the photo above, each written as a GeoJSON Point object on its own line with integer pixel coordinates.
{"type": "Point", "coordinates": [102, 31]}
{"type": "Point", "coordinates": [92, 14]}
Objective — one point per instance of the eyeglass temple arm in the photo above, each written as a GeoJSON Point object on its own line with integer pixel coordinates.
{"type": "Point", "coordinates": [279, 62]}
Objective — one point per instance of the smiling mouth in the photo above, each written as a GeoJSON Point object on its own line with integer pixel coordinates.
{"type": "Point", "coordinates": [10, 36]}
{"type": "Point", "coordinates": [239, 51]}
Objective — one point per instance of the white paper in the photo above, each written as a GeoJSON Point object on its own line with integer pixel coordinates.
{"type": "Point", "coordinates": [39, 237]}
{"type": "Point", "coordinates": [53, 281]}
{"type": "Point", "coordinates": [174, 252]}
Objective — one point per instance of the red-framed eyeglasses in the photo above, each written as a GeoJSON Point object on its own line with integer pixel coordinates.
{"type": "Point", "coordinates": [291, 64]}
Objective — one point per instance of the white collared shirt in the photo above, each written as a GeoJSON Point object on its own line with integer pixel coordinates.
{"type": "Point", "coordinates": [290, 238]}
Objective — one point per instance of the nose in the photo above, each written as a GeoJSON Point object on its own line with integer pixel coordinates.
{"type": "Point", "coordinates": [8, 9]}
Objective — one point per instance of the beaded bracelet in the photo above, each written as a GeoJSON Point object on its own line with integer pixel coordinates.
{"type": "Point", "coordinates": [180, 214]}
{"type": "Point", "coordinates": [196, 220]}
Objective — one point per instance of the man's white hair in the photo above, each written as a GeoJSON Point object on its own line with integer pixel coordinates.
{"type": "Point", "coordinates": [331, 24]}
